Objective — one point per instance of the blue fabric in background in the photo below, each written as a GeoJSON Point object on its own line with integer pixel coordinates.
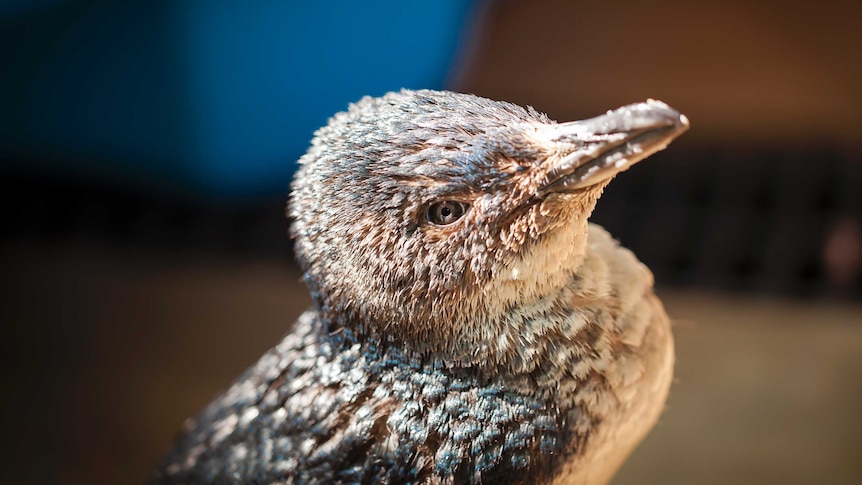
{"type": "Point", "coordinates": [203, 96]}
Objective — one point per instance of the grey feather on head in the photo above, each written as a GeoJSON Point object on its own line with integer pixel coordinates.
{"type": "Point", "coordinates": [422, 218]}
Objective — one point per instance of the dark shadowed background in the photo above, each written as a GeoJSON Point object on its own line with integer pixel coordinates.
{"type": "Point", "coordinates": [146, 150]}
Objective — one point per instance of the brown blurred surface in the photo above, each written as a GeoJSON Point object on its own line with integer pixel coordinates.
{"type": "Point", "coordinates": [784, 72]}
{"type": "Point", "coordinates": [117, 347]}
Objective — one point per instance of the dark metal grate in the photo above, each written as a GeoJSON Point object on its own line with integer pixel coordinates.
{"type": "Point", "coordinates": [754, 220]}
{"type": "Point", "coordinates": [57, 210]}
{"type": "Point", "coordinates": [743, 221]}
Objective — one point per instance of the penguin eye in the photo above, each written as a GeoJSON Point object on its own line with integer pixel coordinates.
{"type": "Point", "coordinates": [445, 212]}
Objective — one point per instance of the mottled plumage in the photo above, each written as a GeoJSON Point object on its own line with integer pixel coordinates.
{"type": "Point", "coordinates": [469, 324]}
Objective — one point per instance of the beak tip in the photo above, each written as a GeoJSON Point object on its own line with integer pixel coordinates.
{"type": "Point", "coordinates": [683, 119]}
{"type": "Point", "coordinates": [660, 109]}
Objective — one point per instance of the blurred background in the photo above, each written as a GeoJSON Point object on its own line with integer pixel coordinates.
{"type": "Point", "coordinates": [146, 150]}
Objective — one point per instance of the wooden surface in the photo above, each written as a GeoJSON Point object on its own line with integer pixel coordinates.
{"type": "Point", "coordinates": [109, 350]}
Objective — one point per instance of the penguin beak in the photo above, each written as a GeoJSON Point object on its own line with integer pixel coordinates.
{"type": "Point", "coordinates": [591, 151]}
